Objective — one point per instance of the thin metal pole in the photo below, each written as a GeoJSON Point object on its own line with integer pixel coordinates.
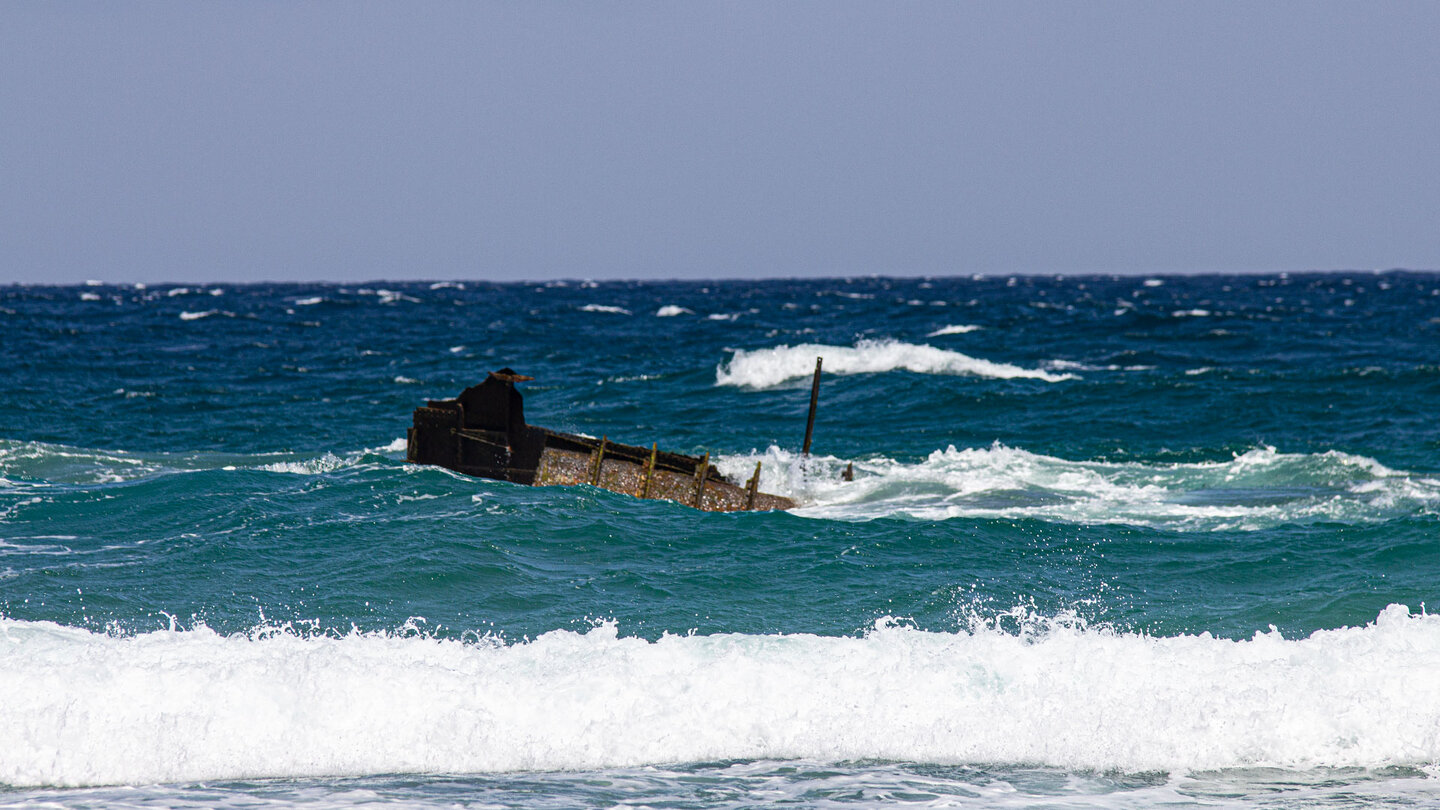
{"type": "Point", "coordinates": [814, 399]}
{"type": "Point", "coordinates": [649, 471]}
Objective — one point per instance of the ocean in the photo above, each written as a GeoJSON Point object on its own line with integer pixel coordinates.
{"type": "Point", "coordinates": [1111, 542]}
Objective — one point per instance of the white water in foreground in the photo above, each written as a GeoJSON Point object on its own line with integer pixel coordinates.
{"type": "Point", "coordinates": [82, 708]}
{"type": "Point", "coordinates": [767, 368]}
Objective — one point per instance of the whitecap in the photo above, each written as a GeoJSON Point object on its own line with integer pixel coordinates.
{"type": "Point", "coordinates": [395, 446]}
{"type": "Point", "coordinates": [391, 296]}
{"type": "Point", "coordinates": [310, 466]}
{"type": "Point", "coordinates": [767, 368]}
{"type": "Point", "coordinates": [955, 329]}
{"type": "Point", "coordinates": [386, 296]}
{"type": "Point", "coordinates": [671, 310]}
{"type": "Point", "coordinates": [605, 308]}
{"type": "Point", "coordinates": [1255, 490]}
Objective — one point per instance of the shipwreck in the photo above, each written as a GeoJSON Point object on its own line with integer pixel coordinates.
{"type": "Point", "coordinates": [483, 433]}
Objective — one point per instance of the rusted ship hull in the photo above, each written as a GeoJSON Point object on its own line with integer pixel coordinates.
{"type": "Point", "coordinates": [483, 433]}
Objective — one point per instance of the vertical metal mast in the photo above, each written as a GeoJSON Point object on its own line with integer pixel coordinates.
{"type": "Point", "coordinates": [814, 399]}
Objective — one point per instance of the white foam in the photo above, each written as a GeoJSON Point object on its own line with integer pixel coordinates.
{"type": "Point", "coordinates": [767, 368]}
{"type": "Point", "coordinates": [171, 706]}
{"type": "Point", "coordinates": [310, 466]}
{"type": "Point", "coordinates": [605, 308]}
{"type": "Point", "coordinates": [395, 446]}
{"type": "Point", "coordinates": [35, 466]}
{"type": "Point", "coordinates": [56, 463]}
{"type": "Point", "coordinates": [387, 296]}
{"type": "Point", "coordinates": [1255, 490]}
{"type": "Point", "coordinates": [1071, 365]}
{"type": "Point", "coordinates": [401, 379]}
{"type": "Point", "coordinates": [195, 316]}
{"type": "Point", "coordinates": [309, 302]}
{"type": "Point", "coordinates": [89, 296]}
{"type": "Point", "coordinates": [955, 329]}
{"type": "Point", "coordinates": [671, 310]}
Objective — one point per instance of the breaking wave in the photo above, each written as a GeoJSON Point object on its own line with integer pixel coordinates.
{"type": "Point", "coordinates": [1258, 489]}
{"type": "Point", "coordinates": [768, 368]}
{"type": "Point", "coordinates": [605, 308]}
{"type": "Point", "coordinates": [194, 704]}
{"type": "Point", "coordinates": [955, 329]}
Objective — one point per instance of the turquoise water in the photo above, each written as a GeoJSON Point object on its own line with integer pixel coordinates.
{"type": "Point", "coordinates": [1110, 542]}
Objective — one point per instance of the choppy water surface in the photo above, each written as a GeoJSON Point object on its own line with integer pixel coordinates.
{"type": "Point", "coordinates": [1110, 543]}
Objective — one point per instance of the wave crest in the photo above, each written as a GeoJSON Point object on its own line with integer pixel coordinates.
{"type": "Point", "coordinates": [194, 705]}
{"type": "Point", "coordinates": [768, 368]}
{"type": "Point", "coordinates": [1257, 489]}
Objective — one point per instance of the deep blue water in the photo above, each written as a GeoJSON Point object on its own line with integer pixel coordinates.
{"type": "Point", "coordinates": [1111, 541]}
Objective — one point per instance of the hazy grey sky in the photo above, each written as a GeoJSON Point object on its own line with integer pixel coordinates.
{"type": "Point", "coordinates": [202, 141]}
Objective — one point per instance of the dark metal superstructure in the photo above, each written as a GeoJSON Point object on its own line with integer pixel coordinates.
{"type": "Point", "coordinates": [483, 433]}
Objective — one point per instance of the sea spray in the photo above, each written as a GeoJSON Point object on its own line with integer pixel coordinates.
{"type": "Point", "coordinates": [193, 704]}
{"type": "Point", "coordinates": [767, 368]}
{"type": "Point", "coordinates": [1258, 489]}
